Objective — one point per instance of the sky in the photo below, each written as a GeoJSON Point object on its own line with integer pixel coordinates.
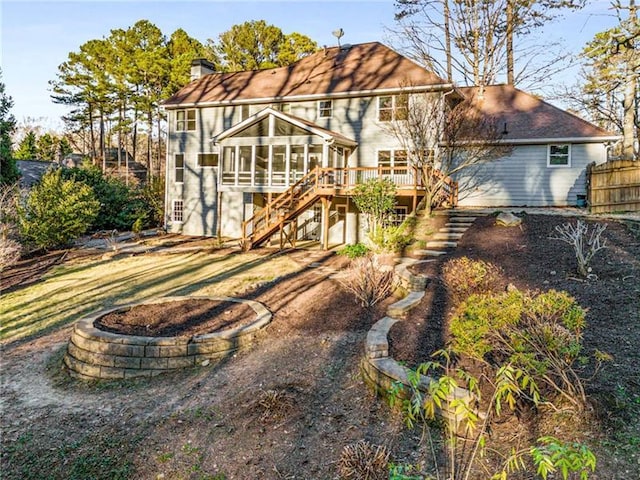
{"type": "Point", "coordinates": [37, 36]}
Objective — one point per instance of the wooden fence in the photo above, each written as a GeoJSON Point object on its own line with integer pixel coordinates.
{"type": "Point", "coordinates": [614, 186]}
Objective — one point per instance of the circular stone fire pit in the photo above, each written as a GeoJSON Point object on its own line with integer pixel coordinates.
{"type": "Point", "coordinates": [93, 353]}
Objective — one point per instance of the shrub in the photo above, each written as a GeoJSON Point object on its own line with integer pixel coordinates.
{"type": "Point", "coordinates": [57, 211]}
{"type": "Point", "coordinates": [368, 280]}
{"type": "Point", "coordinates": [376, 199]}
{"type": "Point", "coordinates": [464, 277]}
{"type": "Point", "coordinates": [585, 245]}
{"type": "Point", "coordinates": [364, 461]}
{"type": "Point", "coordinates": [354, 251]}
{"type": "Point", "coordinates": [539, 334]}
{"type": "Point", "coordinates": [10, 252]}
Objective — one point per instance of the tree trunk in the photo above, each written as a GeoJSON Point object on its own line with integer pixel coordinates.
{"type": "Point", "coordinates": [629, 102]}
{"type": "Point", "coordinates": [149, 143]}
{"type": "Point", "coordinates": [447, 40]}
{"type": "Point", "coordinates": [92, 136]}
{"type": "Point", "coordinates": [103, 155]}
{"type": "Point", "coordinates": [509, 46]}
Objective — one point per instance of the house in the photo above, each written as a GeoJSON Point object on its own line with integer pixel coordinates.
{"type": "Point", "coordinates": [278, 151]}
{"type": "Point", "coordinates": [547, 164]}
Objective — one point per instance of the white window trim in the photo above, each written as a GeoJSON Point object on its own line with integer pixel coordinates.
{"type": "Point", "coordinates": [207, 153]}
{"type": "Point", "coordinates": [394, 107]}
{"type": "Point", "coordinates": [392, 152]}
{"type": "Point", "coordinates": [330, 109]}
{"type": "Point", "coordinates": [184, 164]}
{"type": "Point", "coordinates": [186, 121]}
{"type": "Point", "coordinates": [173, 210]}
{"type": "Point", "coordinates": [568, 164]}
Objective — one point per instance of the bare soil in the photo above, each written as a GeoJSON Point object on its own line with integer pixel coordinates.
{"type": "Point", "coordinates": [183, 318]}
{"type": "Point", "coordinates": [286, 408]}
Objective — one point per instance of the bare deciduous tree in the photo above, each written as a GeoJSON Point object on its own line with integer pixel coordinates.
{"type": "Point", "coordinates": [442, 138]}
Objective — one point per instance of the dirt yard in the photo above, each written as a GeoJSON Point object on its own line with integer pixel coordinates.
{"type": "Point", "coordinates": [286, 408]}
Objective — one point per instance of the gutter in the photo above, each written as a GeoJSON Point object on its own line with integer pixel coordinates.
{"type": "Point", "coordinates": [314, 96]}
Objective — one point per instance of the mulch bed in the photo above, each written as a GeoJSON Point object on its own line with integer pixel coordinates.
{"type": "Point", "coordinates": [530, 260]}
{"type": "Point", "coordinates": [177, 318]}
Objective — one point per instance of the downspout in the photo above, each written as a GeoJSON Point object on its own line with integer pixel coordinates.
{"type": "Point", "coordinates": [166, 178]}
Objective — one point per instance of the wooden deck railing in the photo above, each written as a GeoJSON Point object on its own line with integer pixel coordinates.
{"type": "Point", "coordinates": [335, 181]}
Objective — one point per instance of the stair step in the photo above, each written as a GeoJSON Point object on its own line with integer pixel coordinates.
{"type": "Point", "coordinates": [453, 229]}
{"type": "Point", "coordinates": [455, 219]}
{"type": "Point", "coordinates": [459, 225]}
{"type": "Point", "coordinates": [441, 244]}
{"type": "Point", "coordinates": [429, 253]}
{"type": "Point", "coordinates": [447, 236]}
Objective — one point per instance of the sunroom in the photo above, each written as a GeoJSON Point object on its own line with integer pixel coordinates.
{"type": "Point", "coordinates": [272, 150]}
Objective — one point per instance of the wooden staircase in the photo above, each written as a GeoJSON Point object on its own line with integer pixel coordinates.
{"type": "Point", "coordinates": [281, 214]}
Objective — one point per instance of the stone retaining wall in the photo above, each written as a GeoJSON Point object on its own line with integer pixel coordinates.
{"type": "Point", "coordinates": [93, 353]}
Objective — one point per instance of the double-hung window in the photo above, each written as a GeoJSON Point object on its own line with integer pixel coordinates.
{"type": "Point", "coordinates": [325, 108]}
{"type": "Point", "coordinates": [393, 107]}
{"type": "Point", "coordinates": [185, 120]}
{"type": "Point", "coordinates": [179, 168]}
{"type": "Point", "coordinates": [559, 155]}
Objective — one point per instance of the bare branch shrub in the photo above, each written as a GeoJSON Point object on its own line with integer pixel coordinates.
{"type": "Point", "coordinates": [10, 251]}
{"type": "Point", "coordinates": [111, 241]}
{"type": "Point", "coordinates": [368, 280]}
{"type": "Point", "coordinates": [364, 461]}
{"type": "Point", "coordinates": [585, 243]}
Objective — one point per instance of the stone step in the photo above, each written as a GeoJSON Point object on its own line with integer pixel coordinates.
{"type": "Point", "coordinates": [400, 308]}
{"type": "Point", "coordinates": [455, 229]}
{"type": "Point", "coordinates": [429, 253]}
{"type": "Point", "coordinates": [447, 236]}
{"type": "Point", "coordinates": [441, 244]}
{"type": "Point", "coordinates": [462, 219]}
{"type": "Point", "coordinates": [458, 225]}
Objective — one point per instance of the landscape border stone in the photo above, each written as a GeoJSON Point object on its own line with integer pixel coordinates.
{"type": "Point", "coordinates": [96, 354]}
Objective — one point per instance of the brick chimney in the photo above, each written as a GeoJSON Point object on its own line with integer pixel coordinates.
{"type": "Point", "coordinates": [201, 67]}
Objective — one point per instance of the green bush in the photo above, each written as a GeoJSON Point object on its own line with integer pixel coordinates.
{"type": "Point", "coordinates": [57, 211]}
{"type": "Point", "coordinates": [540, 334]}
{"type": "Point", "coordinates": [354, 251]}
{"type": "Point", "coordinates": [464, 277]}
{"type": "Point", "coordinates": [121, 206]}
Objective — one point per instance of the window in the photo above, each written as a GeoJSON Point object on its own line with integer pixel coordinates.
{"type": "Point", "coordinates": [325, 108]}
{"type": "Point", "coordinates": [393, 107]}
{"type": "Point", "coordinates": [208, 159]}
{"type": "Point", "coordinates": [177, 214]}
{"type": "Point", "coordinates": [284, 107]}
{"type": "Point", "coordinates": [392, 158]}
{"type": "Point", "coordinates": [396, 217]}
{"type": "Point", "coordinates": [559, 155]}
{"type": "Point", "coordinates": [179, 168]}
{"type": "Point", "coordinates": [185, 120]}
{"type": "Point", "coordinates": [245, 112]}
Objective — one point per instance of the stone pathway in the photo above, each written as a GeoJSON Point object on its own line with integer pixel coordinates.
{"type": "Point", "coordinates": [379, 369]}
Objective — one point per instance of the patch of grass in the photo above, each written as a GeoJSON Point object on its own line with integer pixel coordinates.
{"type": "Point", "coordinates": [95, 457]}
{"type": "Point", "coordinates": [71, 291]}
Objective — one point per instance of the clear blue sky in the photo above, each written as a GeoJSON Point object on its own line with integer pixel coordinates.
{"type": "Point", "coordinates": [37, 36]}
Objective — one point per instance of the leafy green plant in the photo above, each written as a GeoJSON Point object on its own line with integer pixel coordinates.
{"type": "Point", "coordinates": [354, 251]}
{"type": "Point", "coordinates": [440, 390]}
{"type": "Point", "coordinates": [57, 211]}
{"type": "Point", "coordinates": [464, 276]}
{"type": "Point", "coordinates": [376, 199]}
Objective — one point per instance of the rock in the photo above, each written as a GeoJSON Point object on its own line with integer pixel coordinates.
{"type": "Point", "coordinates": [511, 288]}
{"type": "Point", "coordinates": [508, 219]}
{"type": "Point", "coordinates": [205, 363]}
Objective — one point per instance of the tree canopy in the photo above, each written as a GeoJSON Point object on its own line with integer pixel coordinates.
{"type": "Point", "coordinates": [8, 170]}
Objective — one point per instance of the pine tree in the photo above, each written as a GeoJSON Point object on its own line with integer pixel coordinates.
{"type": "Point", "coordinates": [8, 170]}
